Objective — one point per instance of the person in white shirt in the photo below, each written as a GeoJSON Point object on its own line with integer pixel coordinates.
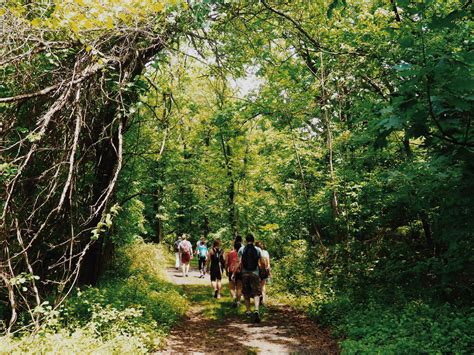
{"type": "Point", "coordinates": [177, 253]}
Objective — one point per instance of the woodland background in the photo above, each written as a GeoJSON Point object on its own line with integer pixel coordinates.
{"type": "Point", "coordinates": [339, 132]}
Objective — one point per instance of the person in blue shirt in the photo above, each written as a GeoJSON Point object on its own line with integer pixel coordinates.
{"type": "Point", "coordinates": [201, 252]}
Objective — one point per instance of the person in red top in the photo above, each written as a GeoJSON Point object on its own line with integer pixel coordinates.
{"type": "Point", "coordinates": [186, 250]}
{"type": "Point", "coordinates": [235, 283]}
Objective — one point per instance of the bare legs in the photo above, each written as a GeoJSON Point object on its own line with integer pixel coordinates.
{"type": "Point", "coordinates": [251, 287]}
{"type": "Point", "coordinates": [185, 269]}
{"type": "Point", "coordinates": [256, 302]}
{"type": "Point", "coordinates": [264, 291]}
{"type": "Point", "coordinates": [235, 291]}
{"type": "Point", "coordinates": [239, 291]}
{"type": "Point", "coordinates": [217, 286]}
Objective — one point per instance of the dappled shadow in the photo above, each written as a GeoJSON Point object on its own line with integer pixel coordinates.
{"type": "Point", "coordinates": [213, 326]}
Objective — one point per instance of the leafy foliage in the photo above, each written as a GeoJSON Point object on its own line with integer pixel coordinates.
{"type": "Point", "coordinates": [338, 132]}
{"type": "Point", "coordinates": [131, 311]}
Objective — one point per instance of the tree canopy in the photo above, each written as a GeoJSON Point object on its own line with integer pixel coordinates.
{"type": "Point", "coordinates": [342, 125]}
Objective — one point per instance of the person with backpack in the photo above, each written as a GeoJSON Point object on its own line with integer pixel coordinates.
{"type": "Point", "coordinates": [201, 252]}
{"type": "Point", "coordinates": [249, 257]}
{"type": "Point", "coordinates": [235, 282]}
{"type": "Point", "coordinates": [177, 253]}
{"type": "Point", "coordinates": [186, 250]}
{"type": "Point", "coordinates": [216, 261]}
{"type": "Point", "coordinates": [264, 270]}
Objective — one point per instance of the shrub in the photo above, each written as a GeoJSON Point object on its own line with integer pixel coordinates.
{"type": "Point", "coordinates": [376, 300]}
{"type": "Point", "coordinates": [414, 328]}
{"type": "Point", "coordinates": [130, 312]}
{"type": "Point", "coordinates": [81, 340]}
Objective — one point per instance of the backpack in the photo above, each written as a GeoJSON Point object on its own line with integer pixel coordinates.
{"type": "Point", "coordinates": [185, 248]}
{"type": "Point", "coordinates": [217, 258]}
{"type": "Point", "coordinates": [176, 246]}
{"type": "Point", "coordinates": [250, 258]}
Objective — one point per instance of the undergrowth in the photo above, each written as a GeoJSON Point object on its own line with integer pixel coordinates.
{"type": "Point", "coordinates": [369, 307]}
{"type": "Point", "coordinates": [131, 311]}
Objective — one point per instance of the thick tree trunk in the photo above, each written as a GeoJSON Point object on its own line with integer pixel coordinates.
{"type": "Point", "coordinates": [159, 230]}
{"type": "Point", "coordinates": [106, 159]}
{"type": "Point", "coordinates": [105, 163]}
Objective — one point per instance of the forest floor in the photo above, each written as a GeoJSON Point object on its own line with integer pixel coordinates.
{"type": "Point", "coordinates": [213, 326]}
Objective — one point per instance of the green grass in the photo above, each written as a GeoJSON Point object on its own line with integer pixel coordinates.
{"type": "Point", "coordinates": [214, 309]}
{"type": "Point", "coordinates": [131, 311]}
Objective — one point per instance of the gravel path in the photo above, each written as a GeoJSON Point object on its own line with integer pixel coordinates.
{"type": "Point", "coordinates": [212, 326]}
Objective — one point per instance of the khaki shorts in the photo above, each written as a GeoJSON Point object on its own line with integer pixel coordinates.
{"type": "Point", "coordinates": [251, 285]}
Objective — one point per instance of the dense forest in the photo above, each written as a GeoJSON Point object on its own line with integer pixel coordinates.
{"type": "Point", "coordinates": [337, 131]}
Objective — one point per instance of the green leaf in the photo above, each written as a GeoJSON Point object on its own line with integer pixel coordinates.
{"type": "Point", "coordinates": [447, 21]}
{"type": "Point", "coordinates": [335, 4]}
{"type": "Point", "coordinates": [108, 220]}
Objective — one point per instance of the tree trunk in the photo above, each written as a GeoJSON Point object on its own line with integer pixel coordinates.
{"type": "Point", "coordinates": [106, 156]}
{"type": "Point", "coordinates": [313, 228]}
{"type": "Point", "coordinates": [227, 152]}
{"type": "Point", "coordinates": [329, 144]}
{"type": "Point", "coordinates": [157, 203]}
{"type": "Point", "coordinates": [428, 233]}
{"type": "Point", "coordinates": [106, 159]}
{"type": "Point", "coordinates": [406, 145]}
{"type": "Point", "coordinates": [205, 227]}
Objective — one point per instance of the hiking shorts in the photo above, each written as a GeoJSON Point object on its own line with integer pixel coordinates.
{"type": "Point", "coordinates": [251, 285]}
{"type": "Point", "coordinates": [216, 275]}
{"type": "Point", "coordinates": [238, 277]}
{"type": "Point", "coordinates": [215, 270]}
{"type": "Point", "coordinates": [185, 258]}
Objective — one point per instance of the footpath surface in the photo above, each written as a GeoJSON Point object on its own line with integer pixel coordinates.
{"type": "Point", "coordinates": [213, 326]}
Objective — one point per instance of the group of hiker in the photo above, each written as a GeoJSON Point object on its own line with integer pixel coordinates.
{"type": "Point", "coordinates": [247, 267]}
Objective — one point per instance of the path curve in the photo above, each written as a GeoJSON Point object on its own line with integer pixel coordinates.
{"type": "Point", "coordinates": [212, 326]}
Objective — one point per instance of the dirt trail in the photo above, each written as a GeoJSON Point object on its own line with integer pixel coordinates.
{"type": "Point", "coordinates": [212, 326]}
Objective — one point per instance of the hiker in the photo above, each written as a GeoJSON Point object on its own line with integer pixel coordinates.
{"type": "Point", "coordinates": [249, 258]}
{"type": "Point", "coordinates": [238, 239]}
{"type": "Point", "coordinates": [232, 267]}
{"type": "Point", "coordinates": [198, 243]}
{"type": "Point", "coordinates": [264, 270]}
{"type": "Point", "coordinates": [216, 261]}
{"type": "Point", "coordinates": [177, 254]}
{"type": "Point", "coordinates": [186, 250]}
{"type": "Point", "coordinates": [201, 252]}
